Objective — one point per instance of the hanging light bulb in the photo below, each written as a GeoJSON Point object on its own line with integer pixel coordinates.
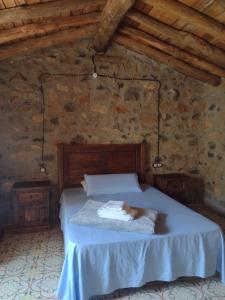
{"type": "Point", "coordinates": [94, 74]}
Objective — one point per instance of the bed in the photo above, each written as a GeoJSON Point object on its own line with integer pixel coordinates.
{"type": "Point", "coordinates": [99, 261]}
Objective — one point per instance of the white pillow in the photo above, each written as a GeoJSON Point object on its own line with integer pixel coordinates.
{"type": "Point", "coordinates": [112, 184]}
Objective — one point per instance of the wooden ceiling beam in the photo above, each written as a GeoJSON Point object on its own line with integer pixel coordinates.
{"type": "Point", "coordinates": [182, 55]}
{"type": "Point", "coordinates": [221, 3]}
{"type": "Point", "coordinates": [111, 16]}
{"type": "Point", "coordinates": [48, 9]}
{"type": "Point", "coordinates": [38, 29]}
{"type": "Point", "coordinates": [178, 38]}
{"type": "Point", "coordinates": [2, 5]}
{"type": "Point", "coordinates": [164, 58]}
{"type": "Point", "coordinates": [46, 41]}
{"type": "Point", "coordinates": [188, 14]}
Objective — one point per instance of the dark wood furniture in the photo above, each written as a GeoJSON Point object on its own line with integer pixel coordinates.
{"type": "Point", "coordinates": [31, 206]}
{"type": "Point", "coordinates": [1, 232]}
{"type": "Point", "coordinates": [175, 185]}
{"type": "Point", "coordinates": [75, 160]}
{"type": "Point", "coordinates": [1, 227]}
{"type": "Point", "coordinates": [188, 191]}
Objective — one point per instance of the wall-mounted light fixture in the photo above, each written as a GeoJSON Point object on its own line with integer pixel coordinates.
{"type": "Point", "coordinates": [94, 74]}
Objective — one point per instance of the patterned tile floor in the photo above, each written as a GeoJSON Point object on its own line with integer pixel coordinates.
{"type": "Point", "coordinates": [30, 266]}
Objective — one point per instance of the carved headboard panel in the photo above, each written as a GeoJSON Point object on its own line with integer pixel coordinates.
{"type": "Point", "coordinates": [75, 160]}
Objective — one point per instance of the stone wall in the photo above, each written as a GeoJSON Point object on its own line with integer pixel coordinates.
{"type": "Point", "coordinates": [212, 145]}
{"type": "Point", "coordinates": [83, 110]}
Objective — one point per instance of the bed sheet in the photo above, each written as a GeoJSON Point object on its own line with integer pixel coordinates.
{"type": "Point", "coordinates": [99, 261]}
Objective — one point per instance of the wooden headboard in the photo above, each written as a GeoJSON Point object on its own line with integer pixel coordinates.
{"type": "Point", "coordinates": [75, 160]}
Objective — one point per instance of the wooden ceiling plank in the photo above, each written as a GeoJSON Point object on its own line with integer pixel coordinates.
{"type": "Point", "coordinates": [7, 26]}
{"type": "Point", "coordinates": [198, 5]}
{"type": "Point", "coordinates": [65, 14]}
{"type": "Point", "coordinates": [27, 21]}
{"type": "Point", "coordinates": [149, 40]}
{"type": "Point", "coordinates": [46, 41]}
{"type": "Point", "coordinates": [16, 24]}
{"type": "Point", "coordinates": [221, 17]}
{"type": "Point", "coordinates": [20, 2]}
{"type": "Point", "coordinates": [222, 3]}
{"type": "Point", "coordinates": [164, 58]}
{"type": "Point", "coordinates": [199, 20]}
{"type": "Point", "coordinates": [2, 5]}
{"type": "Point", "coordinates": [47, 9]}
{"type": "Point", "coordinates": [96, 8]}
{"type": "Point", "coordinates": [189, 2]}
{"type": "Point", "coordinates": [9, 3]}
{"type": "Point", "coordinates": [46, 1]}
{"type": "Point", "coordinates": [111, 16]}
{"type": "Point", "coordinates": [76, 12]}
{"type": "Point", "coordinates": [212, 8]}
{"type": "Point", "coordinates": [183, 40]}
{"type": "Point", "coordinates": [31, 30]}
{"type": "Point", "coordinates": [161, 16]}
{"type": "Point", "coordinates": [32, 1]}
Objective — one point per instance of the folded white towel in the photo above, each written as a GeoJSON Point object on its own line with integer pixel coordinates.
{"type": "Point", "coordinates": [115, 205]}
{"type": "Point", "coordinates": [127, 216]}
{"type": "Point", "coordinates": [112, 212]}
{"type": "Point", "coordinates": [120, 210]}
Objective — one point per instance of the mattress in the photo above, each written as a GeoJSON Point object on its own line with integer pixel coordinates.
{"type": "Point", "coordinates": [99, 261]}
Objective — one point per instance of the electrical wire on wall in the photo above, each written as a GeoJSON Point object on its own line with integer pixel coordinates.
{"type": "Point", "coordinates": [42, 162]}
{"type": "Point", "coordinates": [157, 163]}
{"type": "Point", "coordinates": [158, 160]}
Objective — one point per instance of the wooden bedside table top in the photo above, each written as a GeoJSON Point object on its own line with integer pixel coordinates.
{"type": "Point", "coordinates": [31, 184]}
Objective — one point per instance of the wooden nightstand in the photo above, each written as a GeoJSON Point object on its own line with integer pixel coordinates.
{"type": "Point", "coordinates": [1, 232]}
{"type": "Point", "coordinates": [31, 206]}
{"type": "Point", "coordinates": [174, 185]}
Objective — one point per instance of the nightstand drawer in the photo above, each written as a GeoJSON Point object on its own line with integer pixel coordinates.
{"type": "Point", "coordinates": [175, 186]}
{"type": "Point", "coordinates": [31, 197]}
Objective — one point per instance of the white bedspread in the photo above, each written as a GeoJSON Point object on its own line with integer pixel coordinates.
{"type": "Point", "coordinates": [88, 215]}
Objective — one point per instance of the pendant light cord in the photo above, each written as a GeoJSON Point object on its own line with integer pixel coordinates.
{"type": "Point", "coordinates": [149, 79]}
{"type": "Point", "coordinates": [43, 119]}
